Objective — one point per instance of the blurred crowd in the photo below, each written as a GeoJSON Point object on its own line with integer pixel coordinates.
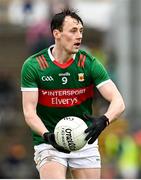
{"type": "Point", "coordinates": [120, 147]}
{"type": "Point", "coordinates": [121, 152]}
{"type": "Point", "coordinates": [34, 16]}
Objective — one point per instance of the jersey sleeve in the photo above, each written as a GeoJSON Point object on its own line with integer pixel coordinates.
{"type": "Point", "coordinates": [99, 73]}
{"type": "Point", "coordinates": [28, 77]}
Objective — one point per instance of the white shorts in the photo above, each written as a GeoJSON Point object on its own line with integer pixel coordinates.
{"type": "Point", "coordinates": [87, 157]}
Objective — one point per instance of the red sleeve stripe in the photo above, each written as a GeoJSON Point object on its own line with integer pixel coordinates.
{"type": "Point", "coordinates": [44, 59]}
{"type": "Point", "coordinates": [42, 62]}
{"type": "Point", "coordinates": [39, 62]}
{"type": "Point", "coordinates": [81, 61]}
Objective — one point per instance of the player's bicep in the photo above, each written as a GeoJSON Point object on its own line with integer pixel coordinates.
{"type": "Point", "coordinates": [29, 100]}
{"type": "Point", "coordinates": [109, 91]}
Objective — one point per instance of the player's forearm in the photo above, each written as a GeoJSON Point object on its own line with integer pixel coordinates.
{"type": "Point", "coordinates": [35, 123]}
{"type": "Point", "coordinates": [115, 109]}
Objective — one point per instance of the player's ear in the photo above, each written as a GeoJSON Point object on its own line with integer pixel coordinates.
{"type": "Point", "coordinates": [56, 33]}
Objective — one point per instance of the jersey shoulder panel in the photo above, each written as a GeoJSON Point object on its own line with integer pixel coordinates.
{"type": "Point", "coordinates": [84, 59]}
{"type": "Point", "coordinates": [37, 61]}
{"type": "Point", "coordinates": [98, 72]}
{"type": "Point", "coordinates": [28, 74]}
{"type": "Point", "coordinates": [31, 68]}
{"type": "Point", "coordinates": [84, 53]}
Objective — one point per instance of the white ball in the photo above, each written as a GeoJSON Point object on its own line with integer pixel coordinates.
{"type": "Point", "coordinates": [69, 133]}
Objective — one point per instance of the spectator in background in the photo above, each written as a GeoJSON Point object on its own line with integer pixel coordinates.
{"type": "Point", "coordinates": [27, 10]}
{"type": "Point", "coordinates": [121, 155]}
{"type": "Point", "coordinates": [128, 158]}
{"type": "Point", "coordinates": [27, 6]}
{"type": "Point", "coordinates": [137, 138]}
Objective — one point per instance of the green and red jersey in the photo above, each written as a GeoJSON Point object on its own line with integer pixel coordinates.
{"type": "Point", "coordinates": [64, 89]}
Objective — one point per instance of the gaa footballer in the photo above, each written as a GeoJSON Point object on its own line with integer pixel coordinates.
{"type": "Point", "coordinates": [57, 82]}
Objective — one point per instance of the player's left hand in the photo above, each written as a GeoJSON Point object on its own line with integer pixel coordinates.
{"type": "Point", "coordinates": [95, 129]}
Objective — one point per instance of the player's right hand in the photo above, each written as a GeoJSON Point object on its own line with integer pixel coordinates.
{"type": "Point", "coordinates": [50, 138]}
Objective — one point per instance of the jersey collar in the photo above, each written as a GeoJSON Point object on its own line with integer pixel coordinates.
{"type": "Point", "coordinates": [51, 56]}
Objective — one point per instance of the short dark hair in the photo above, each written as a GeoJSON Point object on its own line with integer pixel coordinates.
{"type": "Point", "coordinates": [58, 19]}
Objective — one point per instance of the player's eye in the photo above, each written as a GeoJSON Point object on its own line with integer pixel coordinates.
{"type": "Point", "coordinates": [81, 31]}
{"type": "Point", "coordinates": [73, 30]}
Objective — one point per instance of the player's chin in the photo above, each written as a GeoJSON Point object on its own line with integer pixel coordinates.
{"type": "Point", "coordinates": [74, 51]}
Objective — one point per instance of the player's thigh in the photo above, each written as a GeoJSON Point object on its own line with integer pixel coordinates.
{"type": "Point", "coordinates": [86, 173]}
{"type": "Point", "coordinates": [88, 166]}
{"type": "Point", "coordinates": [52, 170]}
{"type": "Point", "coordinates": [48, 164]}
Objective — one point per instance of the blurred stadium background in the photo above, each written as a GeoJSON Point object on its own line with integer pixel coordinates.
{"type": "Point", "coordinates": [113, 34]}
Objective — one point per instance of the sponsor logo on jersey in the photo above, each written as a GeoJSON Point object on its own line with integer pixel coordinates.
{"type": "Point", "coordinates": [81, 77]}
{"type": "Point", "coordinates": [64, 74]}
{"type": "Point", "coordinates": [65, 97]}
{"type": "Point", "coordinates": [47, 78]}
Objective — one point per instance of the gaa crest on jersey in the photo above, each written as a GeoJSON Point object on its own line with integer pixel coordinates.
{"type": "Point", "coordinates": [47, 78]}
{"type": "Point", "coordinates": [81, 77]}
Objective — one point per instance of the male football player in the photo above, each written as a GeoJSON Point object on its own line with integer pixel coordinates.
{"type": "Point", "coordinates": [58, 82]}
